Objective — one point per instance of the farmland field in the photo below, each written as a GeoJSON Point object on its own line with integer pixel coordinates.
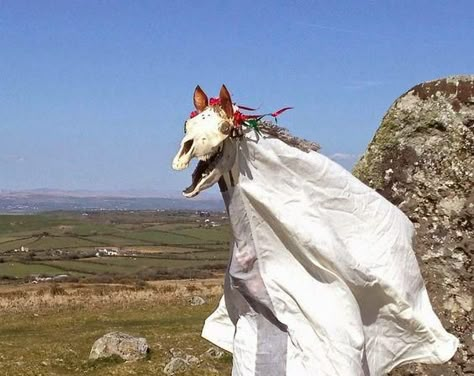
{"type": "Point", "coordinates": [112, 245]}
{"type": "Point", "coordinates": [67, 278]}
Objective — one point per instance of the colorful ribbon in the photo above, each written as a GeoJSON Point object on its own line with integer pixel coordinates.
{"type": "Point", "coordinates": [250, 121]}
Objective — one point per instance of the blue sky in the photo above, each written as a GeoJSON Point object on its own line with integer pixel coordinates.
{"type": "Point", "coordinates": [93, 94]}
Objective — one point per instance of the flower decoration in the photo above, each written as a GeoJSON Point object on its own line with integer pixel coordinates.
{"type": "Point", "coordinates": [250, 121]}
{"type": "Point", "coordinates": [214, 101]}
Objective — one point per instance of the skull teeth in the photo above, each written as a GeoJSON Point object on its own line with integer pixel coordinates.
{"type": "Point", "coordinates": [206, 157]}
{"type": "Point", "coordinates": [209, 156]}
{"type": "Point", "coordinates": [204, 168]}
{"type": "Point", "coordinates": [213, 162]}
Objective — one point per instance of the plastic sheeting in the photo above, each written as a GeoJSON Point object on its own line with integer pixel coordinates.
{"type": "Point", "coordinates": [323, 279]}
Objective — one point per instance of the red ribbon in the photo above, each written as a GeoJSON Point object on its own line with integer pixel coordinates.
{"type": "Point", "coordinates": [280, 111]}
{"type": "Point", "coordinates": [246, 108]}
{"type": "Point", "coordinates": [239, 117]}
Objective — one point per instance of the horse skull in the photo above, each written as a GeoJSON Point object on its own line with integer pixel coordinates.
{"type": "Point", "coordinates": [207, 139]}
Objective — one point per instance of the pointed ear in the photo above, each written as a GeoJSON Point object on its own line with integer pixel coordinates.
{"type": "Point", "coordinates": [200, 99]}
{"type": "Point", "coordinates": [226, 102]}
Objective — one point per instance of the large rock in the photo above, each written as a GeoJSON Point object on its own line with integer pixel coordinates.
{"type": "Point", "coordinates": [123, 345]}
{"type": "Point", "coordinates": [422, 160]}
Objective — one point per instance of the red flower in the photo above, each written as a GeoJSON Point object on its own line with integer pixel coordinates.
{"type": "Point", "coordinates": [214, 101]}
{"type": "Point", "coordinates": [193, 114]}
{"type": "Point", "coordinates": [239, 118]}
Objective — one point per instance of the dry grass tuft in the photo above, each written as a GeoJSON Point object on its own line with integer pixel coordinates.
{"type": "Point", "coordinates": [60, 322]}
{"type": "Point", "coordinates": [65, 296]}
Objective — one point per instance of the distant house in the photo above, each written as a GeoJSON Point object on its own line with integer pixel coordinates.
{"type": "Point", "coordinates": [106, 252]}
{"type": "Point", "coordinates": [22, 249]}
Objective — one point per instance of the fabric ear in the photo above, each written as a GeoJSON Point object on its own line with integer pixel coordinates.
{"type": "Point", "coordinates": [200, 99]}
{"type": "Point", "coordinates": [226, 102]}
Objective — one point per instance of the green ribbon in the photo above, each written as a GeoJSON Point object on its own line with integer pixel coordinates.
{"type": "Point", "coordinates": [253, 123]}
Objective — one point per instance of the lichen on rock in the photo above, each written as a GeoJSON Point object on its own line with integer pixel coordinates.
{"type": "Point", "coordinates": [422, 160]}
{"type": "Point", "coordinates": [122, 345]}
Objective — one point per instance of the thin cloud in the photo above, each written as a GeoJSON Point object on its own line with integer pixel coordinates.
{"type": "Point", "coordinates": [345, 160]}
{"type": "Point", "coordinates": [333, 28]}
{"type": "Point", "coordinates": [363, 84]}
{"type": "Point", "coordinates": [344, 157]}
{"type": "Point", "coordinates": [11, 158]}
{"type": "Point", "coordinates": [336, 29]}
{"type": "Point", "coordinates": [374, 36]}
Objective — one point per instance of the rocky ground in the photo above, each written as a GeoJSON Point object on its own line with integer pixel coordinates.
{"type": "Point", "coordinates": [422, 160]}
{"type": "Point", "coordinates": [109, 329]}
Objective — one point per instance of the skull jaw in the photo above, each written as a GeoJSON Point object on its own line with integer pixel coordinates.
{"type": "Point", "coordinates": [180, 165]}
{"type": "Point", "coordinates": [203, 184]}
{"type": "Point", "coordinates": [204, 179]}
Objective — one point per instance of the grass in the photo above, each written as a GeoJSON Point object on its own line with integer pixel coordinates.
{"type": "Point", "coordinates": [167, 238]}
{"type": "Point", "coordinates": [52, 334]}
{"type": "Point", "coordinates": [61, 242]}
{"type": "Point", "coordinates": [72, 230]}
{"type": "Point", "coordinates": [118, 265]}
{"type": "Point", "coordinates": [14, 223]}
{"type": "Point", "coordinates": [83, 266]}
{"type": "Point", "coordinates": [21, 270]}
{"type": "Point", "coordinates": [137, 262]}
{"type": "Point", "coordinates": [216, 234]}
{"type": "Point", "coordinates": [18, 241]}
{"type": "Point", "coordinates": [49, 329]}
{"type": "Point", "coordinates": [115, 241]}
{"type": "Point", "coordinates": [51, 242]}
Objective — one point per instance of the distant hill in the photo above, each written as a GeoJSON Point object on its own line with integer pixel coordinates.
{"type": "Point", "coordinates": [48, 200]}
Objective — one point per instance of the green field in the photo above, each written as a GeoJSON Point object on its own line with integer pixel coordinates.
{"type": "Point", "coordinates": [17, 269]}
{"type": "Point", "coordinates": [149, 243]}
{"type": "Point", "coordinates": [49, 325]}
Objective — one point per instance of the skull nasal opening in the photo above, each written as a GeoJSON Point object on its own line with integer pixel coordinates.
{"type": "Point", "coordinates": [186, 147]}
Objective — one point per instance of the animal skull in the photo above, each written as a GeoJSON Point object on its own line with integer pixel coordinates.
{"type": "Point", "coordinates": [207, 139]}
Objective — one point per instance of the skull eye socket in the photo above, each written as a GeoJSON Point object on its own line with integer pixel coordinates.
{"type": "Point", "coordinates": [225, 128]}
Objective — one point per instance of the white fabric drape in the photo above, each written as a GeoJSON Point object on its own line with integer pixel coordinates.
{"type": "Point", "coordinates": [329, 263]}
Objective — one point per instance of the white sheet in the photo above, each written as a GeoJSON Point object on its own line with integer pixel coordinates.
{"type": "Point", "coordinates": [323, 279]}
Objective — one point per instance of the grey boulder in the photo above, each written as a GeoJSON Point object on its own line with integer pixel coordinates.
{"type": "Point", "coordinates": [422, 160]}
{"type": "Point", "coordinates": [124, 345]}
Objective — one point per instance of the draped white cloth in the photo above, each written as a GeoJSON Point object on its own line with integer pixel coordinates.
{"type": "Point", "coordinates": [323, 280]}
